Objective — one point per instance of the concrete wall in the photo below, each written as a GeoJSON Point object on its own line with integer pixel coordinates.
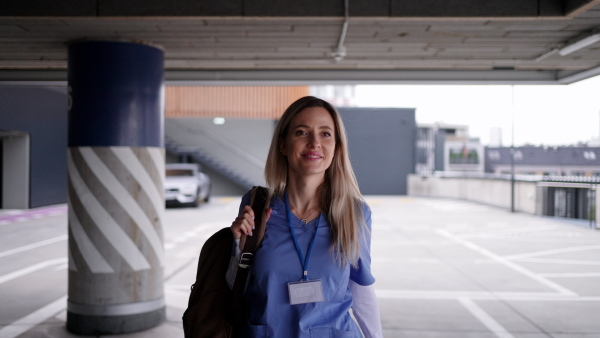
{"type": "Point", "coordinates": [40, 112]}
{"type": "Point", "coordinates": [487, 191]}
{"type": "Point", "coordinates": [381, 142]}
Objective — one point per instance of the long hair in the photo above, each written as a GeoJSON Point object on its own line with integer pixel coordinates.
{"type": "Point", "coordinates": [339, 195]}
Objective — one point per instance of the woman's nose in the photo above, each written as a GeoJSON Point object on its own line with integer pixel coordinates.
{"type": "Point", "coordinates": [313, 141]}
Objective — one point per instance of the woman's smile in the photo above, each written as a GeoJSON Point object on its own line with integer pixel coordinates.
{"type": "Point", "coordinates": [312, 156]}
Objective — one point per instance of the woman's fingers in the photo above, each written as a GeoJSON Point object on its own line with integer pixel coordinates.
{"type": "Point", "coordinates": [249, 215]}
{"type": "Point", "coordinates": [243, 224]}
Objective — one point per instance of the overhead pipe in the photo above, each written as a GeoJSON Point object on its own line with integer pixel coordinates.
{"type": "Point", "coordinates": [340, 51]}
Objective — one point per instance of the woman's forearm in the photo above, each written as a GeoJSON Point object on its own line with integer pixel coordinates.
{"type": "Point", "coordinates": [366, 310]}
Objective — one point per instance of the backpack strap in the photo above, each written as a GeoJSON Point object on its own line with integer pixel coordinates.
{"type": "Point", "coordinates": [259, 201]}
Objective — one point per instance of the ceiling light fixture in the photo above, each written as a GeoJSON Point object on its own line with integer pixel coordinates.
{"type": "Point", "coordinates": [579, 44]}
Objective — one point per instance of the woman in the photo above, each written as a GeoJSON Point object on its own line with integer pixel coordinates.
{"type": "Point", "coordinates": [317, 238]}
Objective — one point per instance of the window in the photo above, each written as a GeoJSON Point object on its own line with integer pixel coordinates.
{"type": "Point", "coordinates": [179, 172]}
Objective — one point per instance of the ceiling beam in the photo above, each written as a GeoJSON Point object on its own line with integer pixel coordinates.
{"type": "Point", "coordinates": [314, 77]}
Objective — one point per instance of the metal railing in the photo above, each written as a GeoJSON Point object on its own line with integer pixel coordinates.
{"type": "Point", "coordinates": [525, 178]}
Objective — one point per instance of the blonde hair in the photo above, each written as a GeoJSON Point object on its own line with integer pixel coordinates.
{"type": "Point", "coordinates": [341, 200]}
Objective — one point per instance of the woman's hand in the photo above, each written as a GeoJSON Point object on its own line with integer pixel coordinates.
{"type": "Point", "coordinates": [245, 222]}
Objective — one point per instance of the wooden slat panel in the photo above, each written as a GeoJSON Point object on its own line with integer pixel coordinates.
{"type": "Point", "coordinates": [265, 102]}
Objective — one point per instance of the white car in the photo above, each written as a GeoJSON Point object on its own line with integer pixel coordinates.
{"type": "Point", "coordinates": [186, 184]}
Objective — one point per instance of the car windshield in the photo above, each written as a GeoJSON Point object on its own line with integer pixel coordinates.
{"type": "Point", "coordinates": [180, 172]}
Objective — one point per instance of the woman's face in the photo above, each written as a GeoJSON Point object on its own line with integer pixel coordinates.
{"type": "Point", "coordinates": [310, 142]}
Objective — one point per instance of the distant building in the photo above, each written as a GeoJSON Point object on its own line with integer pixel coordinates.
{"type": "Point", "coordinates": [552, 161]}
{"type": "Point", "coordinates": [463, 155]}
{"type": "Point", "coordinates": [446, 147]}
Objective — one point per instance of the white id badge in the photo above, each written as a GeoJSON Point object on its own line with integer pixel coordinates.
{"type": "Point", "coordinates": [310, 291]}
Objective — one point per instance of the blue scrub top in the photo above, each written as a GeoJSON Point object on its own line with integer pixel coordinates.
{"type": "Point", "coordinates": [277, 263]}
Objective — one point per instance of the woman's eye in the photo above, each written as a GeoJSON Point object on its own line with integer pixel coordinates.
{"type": "Point", "coordinates": [327, 134]}
{"type": "Point", "coordinates": [300, 132]}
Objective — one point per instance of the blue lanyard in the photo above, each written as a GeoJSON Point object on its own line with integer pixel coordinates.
{"type": "Point", "coordinates": [304, 261]}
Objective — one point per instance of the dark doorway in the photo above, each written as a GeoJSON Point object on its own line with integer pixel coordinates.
{"type": "Point", "coordinates": [570, 202]}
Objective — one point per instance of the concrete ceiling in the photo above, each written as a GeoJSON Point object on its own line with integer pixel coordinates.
{"type": "Point", "coordinates": [296, 42]}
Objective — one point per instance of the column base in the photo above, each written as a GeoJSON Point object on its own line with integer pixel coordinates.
{"type": "Point", "coordinates": [99, 325]}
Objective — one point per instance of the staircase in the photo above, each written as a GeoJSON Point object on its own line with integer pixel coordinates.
{"type": "Point", "coordinates": [208, 161]}
{"type": "Point", "coordinates": [237, 150]}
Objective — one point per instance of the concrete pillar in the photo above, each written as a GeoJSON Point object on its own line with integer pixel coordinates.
{"type": "Point", "coordinates": [116, 169]}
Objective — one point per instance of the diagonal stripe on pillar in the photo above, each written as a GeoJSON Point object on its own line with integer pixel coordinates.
{"type": "Point", "coordinates": [102, 219]}
{"type": "Point", "coordinates": [125, 198]}
{"type": "Point", "coordinates": [152, 187]}
{"type": "Point", "coordinates": [92, 257]}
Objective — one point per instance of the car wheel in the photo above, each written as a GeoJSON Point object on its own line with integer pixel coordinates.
{"type": "Point", "coordinates": [196, 202]}
{"type": "Point", "coordinates": [207, 198]}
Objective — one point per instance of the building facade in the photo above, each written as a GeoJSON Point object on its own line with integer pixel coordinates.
{"type": "Point", "coordinates": [544, 161]}
{"type": "Point", "coordinates": [446, 147]}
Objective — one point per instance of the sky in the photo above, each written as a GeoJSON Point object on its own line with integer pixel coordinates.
{"type": "Point", "coordinates": [551, 115]}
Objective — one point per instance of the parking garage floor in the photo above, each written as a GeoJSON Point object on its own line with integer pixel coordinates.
{"type": "Point", "coordinates": [444, 268]}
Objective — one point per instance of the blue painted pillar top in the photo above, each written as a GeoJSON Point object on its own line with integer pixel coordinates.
{"type": "Point", "coordinates": [118, 90]}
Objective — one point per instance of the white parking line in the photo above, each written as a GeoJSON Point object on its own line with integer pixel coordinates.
{"type": "Point", "coordinates": [61, 267]}
{"type": "Point", "coordinates": [485, 318]}
{"type": "Point", "coordinates": [554, 251]}
{"type": "Point", "coordinates": [24, 324]}
{"type": "Point", "coordinates": [542, 280]}
{"type": "Point", "coordinates": [33, 245]}
{"type": "Point", "coordinates": [571, 275]}
{"type": "Point", "coordinates": [558, 261]}
{"type": "Point", "coordinates": [481, 295]}
{"type": "Point", "coordinates": [30, 269]}
{"type": "Point", "coordinates": [507, 232]}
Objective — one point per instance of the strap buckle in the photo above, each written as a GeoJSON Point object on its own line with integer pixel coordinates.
{"type": "Point", "coordinates": [246, 260]}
